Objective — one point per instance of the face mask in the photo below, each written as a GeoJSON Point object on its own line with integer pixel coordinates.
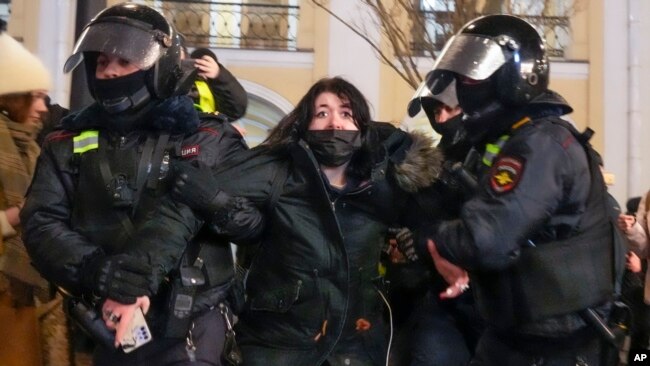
{"type": "Point", "coordinates": [119, 94]}
{"type": "Point", "coordinates": [473, 98]}
{"type": "Point", "coordinates": [449, 127]}
{"type": "Point", "coordinates": [333, 147]}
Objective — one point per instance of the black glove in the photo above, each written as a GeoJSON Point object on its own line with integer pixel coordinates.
{"type": "Point", "coordinates": [196, 187]}
{"type": "Point", "coordinates": [405, 242]}
{"type": "Point", "coordinates": [121, 277]}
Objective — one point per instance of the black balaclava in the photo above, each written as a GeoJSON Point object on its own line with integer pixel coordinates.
{"type": "Point", "coordinates": [475, 98]}
{"type": "Point", "coordinates": [125, 93]}
{"type": "Point", "coordinates": [484, 115]}
{"type": "Point", "coordinates": [449, 127]}
{"type": "Point", "coordinates": [333, 147]}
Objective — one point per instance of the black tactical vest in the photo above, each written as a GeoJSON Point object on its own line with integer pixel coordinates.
{"type": "Point", "coordinates": [559, 277]}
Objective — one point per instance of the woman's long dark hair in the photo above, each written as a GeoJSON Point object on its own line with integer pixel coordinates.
{"type": "Point", "coordinates": [294, 125]}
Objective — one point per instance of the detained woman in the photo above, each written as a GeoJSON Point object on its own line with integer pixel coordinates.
{"type": "Point", "coordinates": [328, 183]}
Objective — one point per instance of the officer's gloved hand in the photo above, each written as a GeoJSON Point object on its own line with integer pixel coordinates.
{"type": "Point", "coordinates": [121, 277]}
{"type": "Point", "coordinates": [405, 242]}
{"type": "Point", "coordinates": [196, 187]}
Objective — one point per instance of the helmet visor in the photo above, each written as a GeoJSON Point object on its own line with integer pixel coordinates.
{"type": "Point", "coordinates": [472, 56]}
{"type": "Point", "coordinates": [142, 47]}
{"type": "Point", "coordinates": [438, 86]}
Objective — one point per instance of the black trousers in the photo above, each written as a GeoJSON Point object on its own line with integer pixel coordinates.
{"type": "Point", "coordinates": [208, 336]}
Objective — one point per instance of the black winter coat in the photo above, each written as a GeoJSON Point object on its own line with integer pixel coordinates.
{"type": "Point", "coordinates": [312, 279]}
{"type": "Point", "coordinates": [69, 217]}
{"type": "Point", "coordinates": [230, 97]}
{"type": "Point", "coordinates": [534, 191]}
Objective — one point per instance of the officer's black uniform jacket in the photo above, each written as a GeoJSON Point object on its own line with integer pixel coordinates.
{"type": "Point", "coordinates": [68, 217]}
{"type": "Point", "coordinates": [311, 279]}
{"type": "Point", "coordinates": [534, 192]}
{"type": "Point", "coordinates": [229, 95]}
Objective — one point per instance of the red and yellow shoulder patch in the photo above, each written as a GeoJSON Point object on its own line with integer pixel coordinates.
{"type": "Point", "coordinates": [506, 173]}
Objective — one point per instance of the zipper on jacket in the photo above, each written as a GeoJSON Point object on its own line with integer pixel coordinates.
{"type": "Point", "coordinates": [353, 193]}
{"type": "Point", "coordinates": [324, 313]}
{"type": "Point", "coordinates": [333, 203]}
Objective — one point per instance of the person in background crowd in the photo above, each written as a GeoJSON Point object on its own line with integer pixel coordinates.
{"type": "Point", "coordinates": [88, 216]}
{"type": "Point", "coordinates": [51, 120]}
{"type": "Point", "coordinates": [215, 88]}
{"type": "Point", "coordinates": [634, 225]}
{"type": "Point", "coordinates": [329, 183]}
{"type": "Point", "coordinates": [539, 213]}
{"type": "Point", "coordinates": [23, 292]}
{"type": "Point", "coordinates": [632, 295]}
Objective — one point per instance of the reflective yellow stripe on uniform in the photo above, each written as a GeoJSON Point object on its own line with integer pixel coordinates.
{"type": "Point", "coordinates": [206, 99]}
{"type": "Point", "coordinates": [86, 141]}
{"type": "Point", "coordinates": [492, 150]}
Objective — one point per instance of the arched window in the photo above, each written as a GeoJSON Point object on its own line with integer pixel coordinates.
{"type": "Point", "coordinates": [265, 109]}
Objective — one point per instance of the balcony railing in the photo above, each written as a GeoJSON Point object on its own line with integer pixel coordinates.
{"type": "Point", "coordinates": [231, 24]}
{"type": "Point", "coordinates": [440, 27]}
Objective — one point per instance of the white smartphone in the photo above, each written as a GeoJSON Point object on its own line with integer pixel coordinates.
{"type": "Point", "coordinates": [138, 334]}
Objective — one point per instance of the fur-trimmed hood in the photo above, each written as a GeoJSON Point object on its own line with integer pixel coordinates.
{"type": "Point", "coordinates": [421, 164]}
{"type": "Point", "coordinates": [175, 115]}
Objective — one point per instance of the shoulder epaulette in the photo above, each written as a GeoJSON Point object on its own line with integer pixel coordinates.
{"type": "Point", "coordinates": [59, 135]}
{"type": "Point", "coordinates": [209, 130]}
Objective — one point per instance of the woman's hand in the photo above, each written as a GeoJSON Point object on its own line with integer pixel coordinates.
{"type": "Point", "coordinates": [118, 316]}
{"type": "Point", "coordinates": [632, 262]}
{"type": "Point", "coordinates": [625, 222]}
{"type": "Point", "coordinates": [455, 276]}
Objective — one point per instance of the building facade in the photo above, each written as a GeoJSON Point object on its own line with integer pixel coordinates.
{"type": "Point", "coordinates": [600, 70]}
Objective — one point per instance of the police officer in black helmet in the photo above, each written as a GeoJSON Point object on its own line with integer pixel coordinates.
{"type": "Point", "coordinates": [97, 194]}
{"type": "Point", "coordinates": [535, 237]}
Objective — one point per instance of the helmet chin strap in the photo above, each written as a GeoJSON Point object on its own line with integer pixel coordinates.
{"type": "Point", "coordinates": [131, 102]}
{"type": "Point", "coordinates": [122, 95]}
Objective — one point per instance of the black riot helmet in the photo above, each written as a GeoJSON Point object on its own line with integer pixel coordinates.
{"type": "Point", "coordinates": [142, 36]}
{"type": "Point", "coordinates": [502, 56]}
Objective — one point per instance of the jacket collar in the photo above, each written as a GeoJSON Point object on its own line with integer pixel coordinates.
{"type": "Point", "coordinates": [175, 115]}
{"type": "Point", "coordinates": [411, 158]}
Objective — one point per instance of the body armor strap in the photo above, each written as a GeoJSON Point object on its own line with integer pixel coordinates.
{"type": "Point", "coordinates": [115, 181]}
